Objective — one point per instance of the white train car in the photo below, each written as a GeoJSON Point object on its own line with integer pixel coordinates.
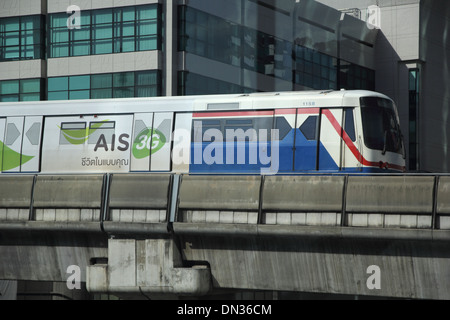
{"type": "Point", "coordinates": [261, 133]}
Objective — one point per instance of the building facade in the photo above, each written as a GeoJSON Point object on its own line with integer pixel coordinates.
{"type": "Point", "coordinates": [85, 49]}
{"type": "Point", "coordinates": [412, 67]}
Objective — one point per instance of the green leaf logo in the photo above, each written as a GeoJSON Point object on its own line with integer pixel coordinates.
{"type": "Point", "coordinates": [10, 159]}
{"type": "Point", "coordinates": [80, 136]}
{"type": "Point", "coordinates": [148, 141]}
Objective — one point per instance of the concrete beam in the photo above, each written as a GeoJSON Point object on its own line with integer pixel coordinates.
{"type": "Point", "coordinates": [147, 268]}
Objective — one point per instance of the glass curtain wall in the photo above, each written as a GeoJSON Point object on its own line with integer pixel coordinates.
{"type": "Point", "coordinates": [309, 60]}
{"type": "Point", "coordinates": [105, 31]}
{"type": "Point", "coordinates": [105, 86]}
{"type": "Point", "coordinates": [22, 38]}
{"type": "Point", "coordinates": [21, 90]}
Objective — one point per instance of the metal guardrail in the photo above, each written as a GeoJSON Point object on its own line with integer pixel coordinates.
{"type": "Point", "coordinates": [154, 203]}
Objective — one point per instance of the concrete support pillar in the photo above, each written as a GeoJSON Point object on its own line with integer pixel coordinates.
{"type": "Point", "coordinates": [146, 269]}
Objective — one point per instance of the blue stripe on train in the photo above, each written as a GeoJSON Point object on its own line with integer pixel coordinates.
{"type": "Point", "coordinates": [251, 157]}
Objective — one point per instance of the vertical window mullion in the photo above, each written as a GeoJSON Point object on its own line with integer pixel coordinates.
{"type": "Point", "coordinates": [20, 44]}
{"type": "Point", "coordinates": [91, 34]}
{"type": "Point", "coordinates": [136, 22]}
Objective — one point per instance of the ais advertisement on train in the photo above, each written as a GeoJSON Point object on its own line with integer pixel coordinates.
{"type": "Point", "coordinates": [107, 143]}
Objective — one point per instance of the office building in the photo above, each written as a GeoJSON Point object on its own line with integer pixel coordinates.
{"type": "Point", "coordinates": [85, 49]}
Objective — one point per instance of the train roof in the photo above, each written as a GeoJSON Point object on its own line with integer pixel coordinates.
{"type": "Point", "coordinates": [262, 100]}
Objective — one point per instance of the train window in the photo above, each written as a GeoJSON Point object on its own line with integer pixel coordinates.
{"type": "Point", "coordinates": [380, 125]}
{"type": "Point", "coordinates": [97, 129]}
{"type": "Point", "coordinates": [256, 129]}
{"type": "Point", "coordinates": [203, 130]}
{"type": "Point", "coordinates": [309, 128]}
{"type": "Point", "coordinates": [232, 127]}
{"type": "Point", "coordinates": [349, 125]}
{"type": "Point", "coordinates": [263, 126]}
{"type": "Point", "coordinates": [73, 133]}
{"type": "Point", "coordinates": [253, 129]}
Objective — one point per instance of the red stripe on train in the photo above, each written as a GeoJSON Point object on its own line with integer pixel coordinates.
{"type": "Point", "coordinates": [348, 141]}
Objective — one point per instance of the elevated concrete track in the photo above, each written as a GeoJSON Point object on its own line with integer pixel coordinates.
{"type": "Point", "coordinates": [161, 234]}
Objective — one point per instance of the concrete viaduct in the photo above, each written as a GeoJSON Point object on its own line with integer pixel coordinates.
{"type": "Point", "coordinates": [161, 235]}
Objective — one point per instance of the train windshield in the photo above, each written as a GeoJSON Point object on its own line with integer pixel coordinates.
{"type": "Point", "coordinates": [380, 125]}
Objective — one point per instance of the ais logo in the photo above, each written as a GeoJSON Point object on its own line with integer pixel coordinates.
{"type": "Point", "coordinates": [148, 141]}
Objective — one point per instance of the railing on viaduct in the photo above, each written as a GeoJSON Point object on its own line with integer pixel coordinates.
{"type": "Point", "coordinates": [160, 203]}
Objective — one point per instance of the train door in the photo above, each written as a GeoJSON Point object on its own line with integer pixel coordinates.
{"type": "Point", "coordinates": [161, 142]}
{"type": "Point", "coordinates": [351, 158]}
{"type": "Point", "coordinates": [2, 136]}
{"type": "Point", "coordinates": [233, 142]}
{"type": "Point", "coordinates": [285, 120]}
{"type": "Point", "coordinates": [87, 144]}
{"type": "Point", "coordinates": [306, 139]}
{"type": "Point", "coordinates": [331, 143]}
{"type": "Point", "coordinates": [21, 144]}
{"type": "Point", "coordinates": [140, 152]}
{"type": "Point", "coordinates": [31, 144]}
{"type": "Point", "coordinates": [152, 137]}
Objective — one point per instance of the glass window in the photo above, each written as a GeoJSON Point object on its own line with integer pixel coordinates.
{"type": "Point", "coordinates": [101, 81]}
{"type": "Point", "coordinates": [79, 95]}
{"type": "Point", "coordinates": [142, 92]}
{"type": "Point", "coordinates": [81, 48]}
{"type": "Point", "coordinates": [30, 85]}
{"type": "Point", "coordinates": [102, 16]}
{"type": "Point", "coordinates": [58, 95]}
{"type": "Point", "coordinates": [58, 84]}
{"type": "Point", "coordinates": [79, 82]}
{"type": "Point", "coordinates": [58, 20]}
{"type": "Point", "coordinates": [73, 133]}
{"type": "Point", "coordinates": [147, 43]}
{"type": "Point", "coordinates": [81, 34]}
{"type": "Point", "coordinates": [102, 32]}
{"type": "Point", "coordinates": [102, 47]}
{"type": "Point", "coordinates": [30, 97]}
{"type": "Point", "coordinates": [124, 79]}
{"type": "Point", "coordinates": [124, 14]}
{"type": "Point", "coordinates": [146, 12]}
{"type": "Point", "coordinates": [124, 45]}
{"type": "Point", "coordinates": [102, 86]}
{"type": "Point", "coordinates": [11, 24]}
{"type": "Point", "coordinates": [147, 28]}
{"type": "Point", "coordinates": [9, 98]}
{"type": "Point", "coordinates": [124, 92]}
{"type": "Point", "coordinates": [146, 78]}
{"type": "Point", "coordinates": [380, 125]}
{"type": "Point", "coordinates": [350, 124]}
{"type": "Point", "coordinates": [21, 38]}
{"type": "Point", "coordinates": [59, 50]}
{"type": "Point", "coordinates": [106, 31]}
{"type": "Point", "coordinates": [9, 87]}
{"type": "Point", "coordinates": [20, 90]}
{"type": "Point", "coordinates": [101, 93]}
{"type": "Point", "coordinates": [96, 129]}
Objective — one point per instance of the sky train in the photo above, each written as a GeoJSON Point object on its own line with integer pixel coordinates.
{"type": "Point", "coordinates": [260, 133]}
